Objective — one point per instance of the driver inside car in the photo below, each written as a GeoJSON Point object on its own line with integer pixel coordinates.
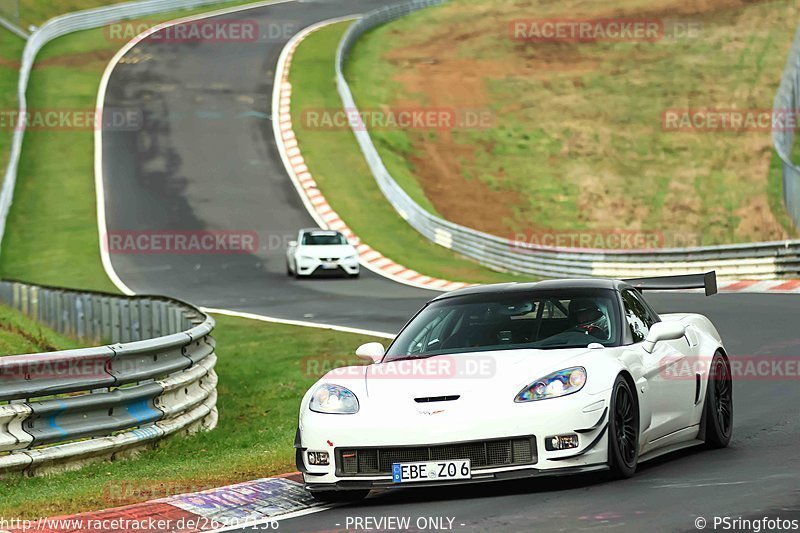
{"type": "Point", "coordinates": [587, 317]}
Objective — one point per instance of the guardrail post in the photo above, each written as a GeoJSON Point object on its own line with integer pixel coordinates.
{"type": "Point", "coordinates": [23, 300]}
{"type": "Point", "coordinates": [16, 297]}
{"type": "Point", "coordinates": [173, 319]}
{"type": "Point", "coordinates": [61, 312]}
{"type": "Point", "coordinates": [133, 310]}
{"type": "Point", "coordinates": [116, 332]}
{"type": "Point", "coordinates": [146, 318]}
{"type": "Point", "coordinates": [106, 330]}
{"type": "Point", "coordinates": [34, 303]}
{"type": "Point", "coordinates": [80, 317]}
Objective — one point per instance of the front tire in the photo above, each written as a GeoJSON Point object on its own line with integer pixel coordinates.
{"type": "Point", "coordinates": [718, 411]}
{"type": "Point", "coordinates": [623, 430]}
{"type": "Point", "coordinates": [340, 496]}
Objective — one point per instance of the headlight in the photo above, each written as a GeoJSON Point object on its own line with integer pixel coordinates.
{"type": "Point", "coordinates": [560, 383]}
{"type": "Point", "coordinates": [306, 258]}
{"type": "Point", "coordinates": [333, 399]}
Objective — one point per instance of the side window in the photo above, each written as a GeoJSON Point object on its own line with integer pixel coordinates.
{"type": "Point", "coordinates": [639, 320]}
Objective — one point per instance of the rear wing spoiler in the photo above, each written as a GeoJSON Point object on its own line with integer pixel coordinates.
{"type": "Point", "coordinates": [707, 281]}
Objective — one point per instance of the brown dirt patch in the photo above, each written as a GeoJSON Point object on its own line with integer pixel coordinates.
{"type": "Point", "coordinates": [461, 200]}
{"type": "Point", "coordinates": [80, 59]}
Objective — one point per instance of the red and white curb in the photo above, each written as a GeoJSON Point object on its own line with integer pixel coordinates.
{"type": "Point", "coordinates": [248, 504]}
{"type": "Point", "coordinates": [788, 286]}
{"type": "Point", "coordinates": [313, 199]}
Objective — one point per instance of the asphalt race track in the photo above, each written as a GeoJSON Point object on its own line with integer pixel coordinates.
{"type": "Point", "coordinates": [206, 159]}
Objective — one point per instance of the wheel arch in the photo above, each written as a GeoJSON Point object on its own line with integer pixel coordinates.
{"type": "Point", "coordinates": [626, 375]}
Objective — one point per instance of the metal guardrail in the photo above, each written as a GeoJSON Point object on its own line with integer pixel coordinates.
{"type": "Point", "coordinates": [153, 377]}
{"type": "Point", "coordinates": [767, 260]}
{"type": "Point", "coordinates": [787, 102]}
{"type": "Point", "coordinates": [58, 27]}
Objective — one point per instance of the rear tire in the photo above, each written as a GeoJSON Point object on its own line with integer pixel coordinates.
{"type": "Point", "coordinates": [340, 496]}
{"type": "Point", "coordinates": [623, 430]}
{"type": "Point", "coordinates": [718, 410]}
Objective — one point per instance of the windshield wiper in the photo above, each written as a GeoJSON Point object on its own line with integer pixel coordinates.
{"type": "Point", "coordinates": [411, 357]}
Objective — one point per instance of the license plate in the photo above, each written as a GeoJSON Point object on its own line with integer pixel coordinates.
{"type": "Point", "coordinates": [431, 471]}
{"type": "Point", "coordinates": [329, 266]}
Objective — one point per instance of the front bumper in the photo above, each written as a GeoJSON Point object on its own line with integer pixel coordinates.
{"type": "Point", "coordinates": [584, 415]}
{"type": "Point", "coordinates": [309, 267]}
{"type": "Point", "coordinates": [479, 477]}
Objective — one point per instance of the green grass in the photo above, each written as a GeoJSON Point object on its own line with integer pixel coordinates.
{"type": "Point", "coordinates": [262, 376]}
{"type": "Point", "coordinates": [338, 167]}
{"type": "Point", "coordinates": [21, 335]}
{"type": "Point", "coordinates": [53, 218]}
{"type": "Point", "coordinates": [577, 139]}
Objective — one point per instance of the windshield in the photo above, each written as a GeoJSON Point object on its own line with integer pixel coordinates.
{"type": "Point", "coordinates": [322, 239]}
{"type": "Point", "coordinates": [537, 319]}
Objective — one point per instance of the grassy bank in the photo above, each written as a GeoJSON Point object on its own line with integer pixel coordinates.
{"type": "Point", "coordinates": [575, 140]}
{"type": "Point", "coordinates": [337, 164]}
{"type": "Point", "coordinates": [20, 335]}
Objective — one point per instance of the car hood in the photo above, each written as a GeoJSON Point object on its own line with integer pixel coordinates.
{"type": "Point", "coordinates": [481, 376]}
{"type": "Point", "coordinates": [336, 251]}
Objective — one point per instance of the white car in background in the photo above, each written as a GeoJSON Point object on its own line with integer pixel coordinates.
{"type": "Point", "coordinates": [319, 251]}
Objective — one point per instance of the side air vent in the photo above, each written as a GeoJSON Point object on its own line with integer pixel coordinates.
{"type": "Point", "coordinates": [697, 386]}
{"type": "Point", "coordinates": [429, 399]}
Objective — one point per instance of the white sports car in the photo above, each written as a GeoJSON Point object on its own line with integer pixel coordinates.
{"type": "Point", "coordinates": [319, 251]}
{"type": "Point", "coordinates": [515, 380]}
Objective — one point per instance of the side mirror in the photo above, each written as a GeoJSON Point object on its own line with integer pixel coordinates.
{"type": "Point", "coordinates": [292, 244]}
{"type": "Point", "coordinates": [373, 351]}
{"type": "Point", "coordinates": [663, 331]}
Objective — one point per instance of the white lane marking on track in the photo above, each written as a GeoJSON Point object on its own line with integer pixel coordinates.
{"type": "Point", "coordinates": [697, 485]}
{"type": "Point", "coordinates": [318, 325]}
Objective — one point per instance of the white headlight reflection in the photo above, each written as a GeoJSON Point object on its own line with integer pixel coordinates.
{"type": "Point", "coordinates": [333, 399]}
